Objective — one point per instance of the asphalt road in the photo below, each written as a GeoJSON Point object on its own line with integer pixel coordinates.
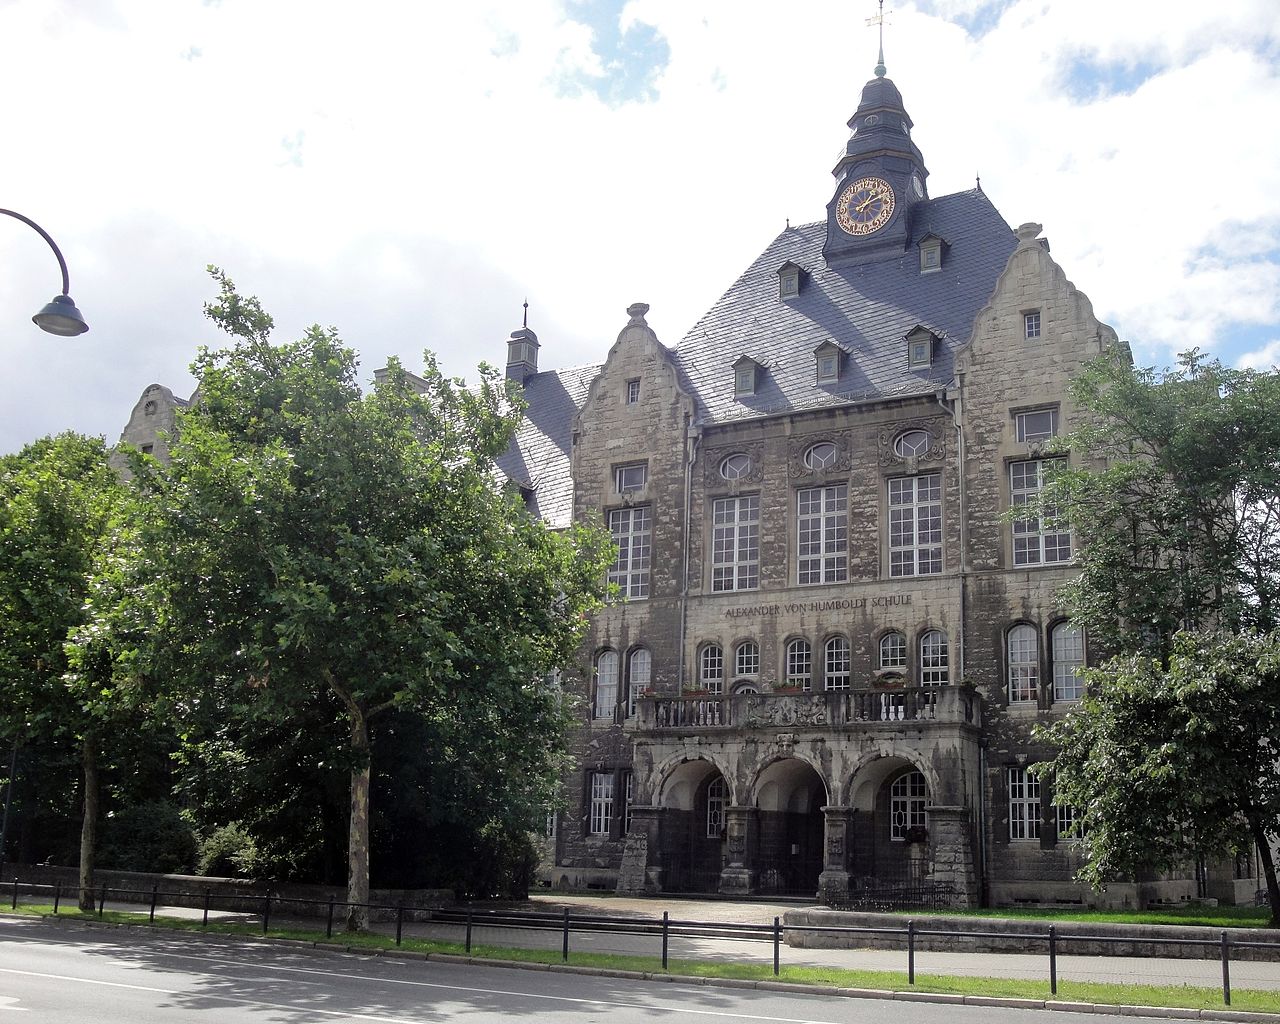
{"type": "Point", "coordinates": [67, 974]}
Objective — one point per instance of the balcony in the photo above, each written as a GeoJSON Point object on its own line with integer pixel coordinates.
{"type": "Point", "coordinates": [834, 709]}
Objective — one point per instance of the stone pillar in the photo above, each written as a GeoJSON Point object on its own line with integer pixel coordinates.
{"type": "Point", "coordinates": [833, 883]}
{"type": "Point", "coordinates": [742, 832]}
{"type": "Point", "coordinates": [951, 843]}
{"type": "Point", "coordinates": [641, 870]}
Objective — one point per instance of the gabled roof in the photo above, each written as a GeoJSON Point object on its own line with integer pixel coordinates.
{"type": "Point", "coordinates": [867, 309]}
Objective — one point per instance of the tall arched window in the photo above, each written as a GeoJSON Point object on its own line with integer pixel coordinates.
{"type": "Point", "coordinates": [638, 676]}
{"type": "Point", "coordinates": [605, 705]}
{"type": "Point", "coordinates": [711, 669]}
{"type": "Point", "coordinates": [717, 801]}
{"type": "Point", "coordinates": [935, 668]}
{"type": "Point", "coordinates": [1024, 665]}
{"type": "Point", "coordinates": [800, 664]}
{"type": "Point", "coordinates": [746, 661]}
{"type": "Point", "coordinates": [836, 664]}
{"type": "Point", "coordinates": [907, 800]}
{"type": "Point", "coordinates": [1068, 660]}
{"type": "Point", "coordinates": [893, 652]}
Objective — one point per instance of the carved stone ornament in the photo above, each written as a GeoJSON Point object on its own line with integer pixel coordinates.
{"type": "Point", "coordinates": [796, 468]}
{"type": "Point", "coordinates": [714, 457]}
{"type": "Point", "coordinates": [835, 846]}
{"type": "Point", "coordinates": [935, 426]}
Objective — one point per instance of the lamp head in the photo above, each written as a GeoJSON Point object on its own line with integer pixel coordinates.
{"type": "Point", "coordinates": [61, 317]}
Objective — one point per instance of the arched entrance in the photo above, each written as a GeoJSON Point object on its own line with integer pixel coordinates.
{"type": "Point", "coordinates": [889, 826]}
{"type": "Point", "coordinates": [693, 800]}
{"type": "Point", "coordinates": [789, 797]}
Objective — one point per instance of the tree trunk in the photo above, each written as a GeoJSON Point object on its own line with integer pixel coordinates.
{"type": "Point", "coordinates": [89, 824]}
{"type": "Point", "coordinates": [358, 835]}
{"type": "Point", "coordinates": [1268, 868]}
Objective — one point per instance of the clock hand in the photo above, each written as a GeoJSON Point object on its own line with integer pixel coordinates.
{"type": "Point", "coordinates": [868, 201]}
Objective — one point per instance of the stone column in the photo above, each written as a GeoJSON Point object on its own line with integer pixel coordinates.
{"type": "Point", "coordinates": [641, 870]}
{"type": "Point", "coordinates": [742, 831]}
{"type": "Point", "coordinates": [833, 883]}
{"type": "Point", "coordinates": [951, 843]}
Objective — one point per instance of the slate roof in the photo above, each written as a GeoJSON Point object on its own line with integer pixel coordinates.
{"type": "Point", "coordinates": [866, 309]}
{"type": "Point", "coordinates": [538, 458]}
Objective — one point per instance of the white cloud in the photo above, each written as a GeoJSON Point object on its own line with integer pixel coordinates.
{"type": "Point", "coordinates": [1265, 358]}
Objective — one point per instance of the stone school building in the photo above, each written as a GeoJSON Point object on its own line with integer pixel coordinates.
{"type": "Point", "coordinates": [829, 648]}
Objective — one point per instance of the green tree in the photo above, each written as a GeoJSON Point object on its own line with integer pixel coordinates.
{"type": "Point", "coordinates": [354, 554]}
{"type": "Point", "coordinates": [66, 534]}
{"type": "Point", "coordinates": [1175, 502]}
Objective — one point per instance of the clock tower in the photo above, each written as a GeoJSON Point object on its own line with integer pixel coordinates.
{"type": "Point", "coordinates": [880, 177]}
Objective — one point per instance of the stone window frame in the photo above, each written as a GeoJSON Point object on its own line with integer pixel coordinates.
{"type": "Point", "coordinates": [604, 693]}
{"type": "Point", "coordinates": [828, 463]}
{"type": "Point", "coordinates": [639, 676]}
{"type": "Point", "coordinates": [935, 658]}
{"type": "Point", "coordinates": [908, 554]}
{"type": "Point", "coordinates": [1024, 804]}
{"type": "Point", "coordinates": [837, 662]}
{"type": "Point", "coordinates": [601, 788]}
{"type": "Point", "coordinates": [917, 451]}
{"type": "Point", "coordinates": [735, 543]}
{"type": "Point", "coordinates": [737, 466]}
{"type": "Point", "coordinates": [711, 657]}
{"type": "Point", "coordinates": [1022, 665]}
{"type": "Point", "coordinates": [1068, 687]}
{"type": "Point", "coordinates": [717, 806]}
{"type": "Point", "coordinates": [1032, 543]}
{"type": "Point", "coordinates": [798, 665]}
{"type": "Point", "coordinates": [908, 796]}
{"type": "Point", "coordinates": [631, 529]}
{"type": "Point", "coordinates": [822, 534]}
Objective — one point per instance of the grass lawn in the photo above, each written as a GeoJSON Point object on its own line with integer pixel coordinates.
{"type": "Point", "coordinates": [1184, 996]}
{"type": "Point", "coordinates": [1210, 917]}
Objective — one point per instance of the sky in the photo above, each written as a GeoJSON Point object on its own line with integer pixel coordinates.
{"type": "Point", "coordinates": [411, 172]}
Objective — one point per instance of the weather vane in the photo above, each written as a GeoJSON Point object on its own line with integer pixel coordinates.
{"type": "Point", "coordinates": [526, 311]}
{"type": "Point", "coordinates": [878, 21]}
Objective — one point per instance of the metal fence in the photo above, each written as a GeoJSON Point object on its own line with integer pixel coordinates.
{"type": "Point", "coordinates": [468, 919]}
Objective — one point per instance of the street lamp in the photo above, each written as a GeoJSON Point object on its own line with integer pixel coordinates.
{"type": "Point", "coordinates": [60, 316]}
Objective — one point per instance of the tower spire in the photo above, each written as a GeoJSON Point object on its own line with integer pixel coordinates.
{"type": "Point", "coordinates": [878, 20]}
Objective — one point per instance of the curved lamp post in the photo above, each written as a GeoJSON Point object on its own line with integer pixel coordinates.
{"type": "Point", "coordinates": [60, 316]}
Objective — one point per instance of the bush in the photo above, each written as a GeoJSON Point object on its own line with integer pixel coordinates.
{"type": "Point", "coordinates": [228, 852]}
{"type": "Point", "coordinates": [152, 836]}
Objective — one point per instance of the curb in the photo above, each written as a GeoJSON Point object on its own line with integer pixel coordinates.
{"type": "Point", "coordinates": [1226, 1013]}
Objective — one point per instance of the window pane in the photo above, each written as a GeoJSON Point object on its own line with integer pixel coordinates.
{"type": "Point", "coordinates": [606, 700]}
{"type": "Point", "coordinates": [915, 525]}
{"type": "Point", "coordinates": [735, 543]}
{"type": "Point", "coordinates": [638, 677]}
{"type": "Point", "coordinates": [934, 670]}
{"type": "Point", "coordinates": [822, 534]}
{"type": "Point", "coordinates": [601, 816]}
{"type": "Point", "coordinates": [907, 800]}
{"type": "Point", "coordinates": [1024, 804]}
{"type": "Point", "coordinates": [799, 664]}
{"type": "Point", "coordinates": [1024, 665]}
{"type": "Point", "coordinates": [630, 529]}
{"type": "Point", "coordinates": [836, 676]}
{"type": "Point", "coordinates": [1068, 660]}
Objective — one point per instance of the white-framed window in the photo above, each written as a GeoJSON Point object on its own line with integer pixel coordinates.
{"type": "Point", "coordinates": [1035, 542]}
{"type": "Point", "coordinates": [717, 801]}
{"type": "Point", "coordinates": [1031, 324]}
{"type": "Point", "coordinates": [628, 798]}
{"type": "Point", "coordinates": [911, 442]}
{"type": "Point", "coordinates": [800, 664]}
{"type": "Point", "coordinates": [835, 674]}
{"type": "Point", "coordinates": [631, 477]}
{"type": "Point", "coordinates": [820, 456]}
{"type": "Point", "coordinates": [1067, 651]}
{"type": "Point", "coordinates": [711, 669]}
{"type": "Point", "coordinates": [639, 675]}
{"type": "Point", "coordinates": [907, 799]}
{"type": "Point", "coordinates": [744, 379]}
{"type": "Point", "coordinates": [745, 688]}
{"type": "Point", "coordinates": [735, 543]}
{"type": "Point", "coordinates": [828, 367]}
{"type": "Point", "coordinates": [915, 525]}
{"type": "Point", "coordinates": [930, 257]}
{"type": "Point", "coordinates": [822, 534]}
{"type": "Point", "coordinates": [736, 466]}
{"type": "Point", "coordinates": [1024, 804]}
{"type": "Point", "coordinates": [893, 652]}
{"type": "Point", "coordinates": [631, 530]}
{"type": "Point", "coordinates": [633, 391]}
{"type": "Point", "coordinates": [935, 667]}
{"type": "Point", "coordinates": [1068, 823]}
{"type": "Point", "coordinates": [746, 659]}
{"type": "Point", "coordinates": [600, 818]}
{"type": "Point", "coordinates": [1024, 665]}
{"type": "Point", "coordinates": [605, 704]}
{"type": "Point", "coordinates": [1035, 425]}
{"type": "Point", "coordinates": [920, 352]}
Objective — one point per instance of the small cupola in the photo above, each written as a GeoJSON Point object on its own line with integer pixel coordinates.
{"type": "Point", "coordinates": [790, 277]}
{"type": "Point", "coordinates": [827, 363]}
{"type": "Point", "coordinates": [920, 347]}
{"type": "Point", "coordinates": [746, 376]}
{"type": "Point", "coordinates": [522, 355]}
{"type": "Point", "coordinates": [933, 248]}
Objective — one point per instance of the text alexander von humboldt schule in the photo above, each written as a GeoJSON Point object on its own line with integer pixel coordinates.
{"type": "Point", "coordinates": [832, 605]}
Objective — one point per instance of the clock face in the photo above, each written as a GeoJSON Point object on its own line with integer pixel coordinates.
{"type": "Point", "coordinates": [865, 206]}
{"type": "Point", "coordinates": [917, 186]}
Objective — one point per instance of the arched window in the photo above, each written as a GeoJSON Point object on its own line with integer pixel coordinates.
{"type": "Point", "coordinates": [1068, 660]}
{"type": "Point", "coordinates": [836, 664]}
{"type": "Point", "coordinates": [911, 442]}
{"type": "Point", "coordinates": [717, 801]}
{"type": "Point", "coordinates": [1024, 665]}
{"type": "Point", "coordinates": [893, 652]}
{"type": "Point", "coordinates": [638, 677]}
{"type": "Point", "coordinates": [821, 455]}
{"type": "Point", "coordinates": [745, 688]}
{"type": "Point", "coordinates": [606, 699]}
{"type": "Point", "coordinates": [800, 664]}
{"type": "Point", "coordinates": [907, 799]}
{"type": "Point", "coordinates": [736, 467]}
{"type": "Point", "coordinates": [711, 669]}
{"type": "Point", "coordinates": [746, 661]}
{"type": "Point", "coordinates": [934, 665]}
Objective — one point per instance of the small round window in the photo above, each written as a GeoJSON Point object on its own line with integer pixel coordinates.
{"type": "Point", "coordinates": [736, 467]}
{"type": "Point", "coordinates": [821, 455]}
{"type": "Point", "coordinates": [912, 442]}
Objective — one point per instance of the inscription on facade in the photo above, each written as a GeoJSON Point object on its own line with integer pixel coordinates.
{"type": "Point", "coordinates": [834, 604]}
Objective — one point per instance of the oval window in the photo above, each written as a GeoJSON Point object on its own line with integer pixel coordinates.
{"type": "Point", "coordinates": [821, 455]}
{"type": "Point", "coordinates": [736, 467]}
{"type": "Point", "coordinates": [912, 442]}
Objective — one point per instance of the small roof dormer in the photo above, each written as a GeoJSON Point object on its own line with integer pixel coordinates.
{"type": "Point", "coordinates": [790, 278]}
{"type": "Point", "coordinates": [933, 249]}
{"type": "Point", "coordinates": [921, 345]}
{"type": "Point", "coordinates": [746, 376]}
{"type": "Point", "coordinates": [827, 362]}
{"type": "Point", "coordinates": [522, 355]}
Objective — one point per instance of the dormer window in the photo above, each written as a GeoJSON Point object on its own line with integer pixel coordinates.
{"type": "Point", "coordinates": [931, 247]}
{"type": "Point", "coordinates": [827, 368]}
{"type": "Point", "coordinates": [745, 376]}
{"type": "Point", "coordinates": [789, 280]}
{"type": "Point", "coordinates": [920, 348]}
